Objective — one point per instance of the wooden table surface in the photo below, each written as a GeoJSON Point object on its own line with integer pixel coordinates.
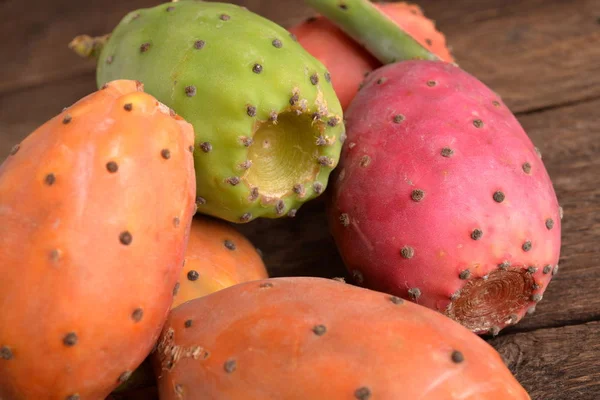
{"type": "Point", "coordinates": [541, 56]}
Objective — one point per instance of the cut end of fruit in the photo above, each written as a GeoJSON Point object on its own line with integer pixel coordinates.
{"type": "Point", "coordinates": [487, 305]}
{"type": "Point", "coordinates": [284, 153]}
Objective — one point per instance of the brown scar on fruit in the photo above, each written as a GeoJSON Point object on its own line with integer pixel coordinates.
{"type": "Point", "coordinates": [319, 330]}
{"type": "Point", "coordinates": [358, 277]}
{"type": "Point", "coordinates": [344, 219]}
{"type": "Point", "coordinates": [325, 140]}
{"type": "Point", "coordinates": [318, 187]}
{"type": "Point", "coordinates": [55, 255]}
{"type": "Point", "coordinates": [253, 194]}
{"type": "Point", "coordinates": [414, 293]}
{"type": "Point", "coordinates": [417, 195]}
{"type": "Point", "coordinates": [170, 353]}
{"type": "Point", "coordinates": [326, 161]}
{"type": "Point", "coordinates": [484, 304]}
{"type": "Point", "coordinates": [365, 161]}
{"type": "Point", "coordinates": [299, 190]}
{"type": "Point", "coordinates": [407, 252]}
{"type": "Point", "coordinates": [279, 207]}
{"type": "Point", "coordinates": [246, 164]}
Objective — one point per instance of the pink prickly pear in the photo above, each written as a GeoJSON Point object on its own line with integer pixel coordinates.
{"type": "Point", "coordinates": [95, 211]}
{"type": "Point", "coordinates": [440, 196]}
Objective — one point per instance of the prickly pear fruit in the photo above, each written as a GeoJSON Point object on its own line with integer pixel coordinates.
{"type": "Point", "coordinates": [461, 232]}
{"type": "Point", "coordinates": [218, 256]}
{"type": "Point", "coordinates": [316, 338]}
{"type": "Point", "coordinates": [268, 123]}
{"type": "Point", "coordinates": [95, 210]}
{"type": "Point", "coordinates": [347, 61]}
{"type": "Point", "coordinates": [442, 198]}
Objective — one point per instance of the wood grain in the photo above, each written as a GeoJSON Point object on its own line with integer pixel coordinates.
{"type": "Point", "coordinates": [555, 364]}
{"type": "Point", "coordinates": [534, 53]}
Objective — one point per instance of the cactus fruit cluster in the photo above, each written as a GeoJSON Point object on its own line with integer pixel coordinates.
{"type": "Point", "coordinates": [122, 266]}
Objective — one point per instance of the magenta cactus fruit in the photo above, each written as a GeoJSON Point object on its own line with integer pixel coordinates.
{"type": "Point", "coordinates": [440, 197]}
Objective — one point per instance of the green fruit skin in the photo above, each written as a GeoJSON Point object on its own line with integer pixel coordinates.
{"type": "Point", "coordinates": [160, 47]}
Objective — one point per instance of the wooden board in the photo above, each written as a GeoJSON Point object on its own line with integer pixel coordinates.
{"type": "Point", "coordinates": [534, 53]}
{"type": "Point", "coordinates": [555, 364]}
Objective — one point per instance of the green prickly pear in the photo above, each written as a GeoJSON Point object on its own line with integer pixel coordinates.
{"type": "Point", "coordinates": [269, 126]}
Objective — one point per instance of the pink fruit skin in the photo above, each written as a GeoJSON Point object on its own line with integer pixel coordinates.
{"type": "Point", "coordinates": [398, 127]}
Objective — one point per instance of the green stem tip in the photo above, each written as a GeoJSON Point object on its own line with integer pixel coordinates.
{"type": "Point", "coordinates": [372, 29]}
{"type": "Point", "coordinates": [87, 46]}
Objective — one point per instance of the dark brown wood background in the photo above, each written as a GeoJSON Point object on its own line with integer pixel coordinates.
{"type": "Point", "coordinates": [541, 56]}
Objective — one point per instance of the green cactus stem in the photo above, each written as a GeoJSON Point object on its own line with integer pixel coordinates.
{"type": "Point", "coordinates": [87, 46]}
{"type": "Point", "coordinates": [372, 29]}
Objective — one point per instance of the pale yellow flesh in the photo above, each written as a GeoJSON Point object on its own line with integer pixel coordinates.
{"type": "Point", "coordinates": [283, 155]}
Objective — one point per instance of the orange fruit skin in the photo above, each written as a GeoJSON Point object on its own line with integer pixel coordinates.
{"type": "Point", "coordinates": [90, 251]}
{"type": "Point", "coordinates": [314, 338]}
{"type": "Point", "coordinates": [221, 257]}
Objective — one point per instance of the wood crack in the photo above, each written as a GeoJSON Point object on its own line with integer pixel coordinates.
{"type": "Point", "coordinates": [556, 106]}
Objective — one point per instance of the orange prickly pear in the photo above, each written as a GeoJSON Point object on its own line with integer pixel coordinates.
{"type": "Point", "coordinates": [95, 211]}
{"type": "Point", "coordinates": [347, 61]}
{"type": "Point", "coordinates": [218, 256]}
{"type": "Point", "coordinates": [315, 338]}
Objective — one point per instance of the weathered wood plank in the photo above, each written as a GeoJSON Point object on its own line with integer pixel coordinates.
{"type": "Point", "coordinates": [555, 364]}
{"type": "Point", "coordinates": [36, 34]}
{"type": "Point", "coordinates": [24, 110]}
{"type": "Point", "coordinates": [534, 53]}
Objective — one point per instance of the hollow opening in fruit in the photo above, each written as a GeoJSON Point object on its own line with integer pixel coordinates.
{"type": "Point", "coordinates": [487, 303]}
{"type": "Point", "coordinates": [283, 154]}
